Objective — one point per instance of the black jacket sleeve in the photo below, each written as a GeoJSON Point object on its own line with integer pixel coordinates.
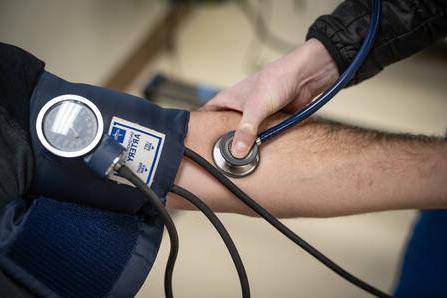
{"type": "Point", "coordinates": [407, 26]}
{"type": "Point", "coordinates": [19, 72]}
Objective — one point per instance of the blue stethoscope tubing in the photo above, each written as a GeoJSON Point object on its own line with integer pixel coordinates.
{"type": "Point", "coordinates": [342, 81]}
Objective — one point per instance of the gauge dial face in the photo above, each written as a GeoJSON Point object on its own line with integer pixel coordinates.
{"type": "Point", "coordinates": [69, 126]}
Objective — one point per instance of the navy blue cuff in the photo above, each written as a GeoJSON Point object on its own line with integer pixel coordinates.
{"type": "Point", "coordinates": [71, 180]}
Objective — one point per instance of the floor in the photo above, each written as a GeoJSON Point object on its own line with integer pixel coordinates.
{"type": "Point", "coordinates": [85, 40]}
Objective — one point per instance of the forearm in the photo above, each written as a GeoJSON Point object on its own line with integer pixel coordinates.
{"type": "Point", "coordinates": [322, 169]}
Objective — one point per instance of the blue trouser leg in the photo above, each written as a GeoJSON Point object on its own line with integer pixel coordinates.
{"type": "Point", "coordinates": [424, 270]}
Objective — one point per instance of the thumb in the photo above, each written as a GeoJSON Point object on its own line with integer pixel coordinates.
{"type": "Point", "coordinates": [246, 132]}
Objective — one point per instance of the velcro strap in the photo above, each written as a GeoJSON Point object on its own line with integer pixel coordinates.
{"type": "Point", "coordinates": [62, 249]}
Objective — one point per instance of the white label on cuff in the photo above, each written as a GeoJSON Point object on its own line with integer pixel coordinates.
{"type": "Point", "coordinates": [143, 148]}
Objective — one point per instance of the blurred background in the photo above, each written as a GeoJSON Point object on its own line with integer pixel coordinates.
{"type": "Point", "coordinates": [179, 53]}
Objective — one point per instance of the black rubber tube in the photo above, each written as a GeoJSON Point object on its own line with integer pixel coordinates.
{"type": "Point", "coordinates": [215, 221]}
{"type": "Point", "coordinates": [154, 200]}
{"type": "Point", "coordinates": [281, 227]}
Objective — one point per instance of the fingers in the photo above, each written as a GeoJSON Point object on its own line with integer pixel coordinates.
{"type": "Point", "coordinates": [217, 103]}
{"type": "Point", "coordinates": [212, 108]}
{"type": "Point", "coordinates": [296, 105]}
{"type": "Point", "coordinates": [224, 100]}
{"type": "Point", "coordinates": [311, 90]}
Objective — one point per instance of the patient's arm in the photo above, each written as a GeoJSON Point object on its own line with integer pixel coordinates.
{"type": "Point", "coordinates": [321, 169]}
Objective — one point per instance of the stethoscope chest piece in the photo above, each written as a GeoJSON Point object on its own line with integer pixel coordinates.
{"type": "Point", "coordinates": [228, 164]}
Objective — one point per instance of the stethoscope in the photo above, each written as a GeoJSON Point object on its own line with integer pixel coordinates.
{"type": "Point", "coordinates": [71, 126]}
{"type": "Point", "coordinates": [235, 167]}
{"type": "Point", "coordinates": [228, 165]}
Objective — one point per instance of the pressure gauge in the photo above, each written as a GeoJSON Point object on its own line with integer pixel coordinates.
{"type": "Point", "coordinates": [69, 126]}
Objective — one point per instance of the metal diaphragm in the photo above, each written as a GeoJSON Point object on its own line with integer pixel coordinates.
{"type": "Point", "coordinates": [230, 165]}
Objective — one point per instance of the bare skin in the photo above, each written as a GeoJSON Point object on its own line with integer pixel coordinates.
{"type": "Point", "coordinates": [288, 83]}
{"type": "Point", "coordinates": [321, 169]}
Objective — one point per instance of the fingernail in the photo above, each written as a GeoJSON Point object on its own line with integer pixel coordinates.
{"type": "Point", "coordinates": [239, 149]}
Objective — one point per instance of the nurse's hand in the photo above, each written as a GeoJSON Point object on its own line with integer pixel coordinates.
{"type": "Point", "coordinates": [290, 82]}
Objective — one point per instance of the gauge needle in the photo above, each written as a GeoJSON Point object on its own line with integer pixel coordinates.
{"type": "Point", "coordinates": [75, 132]}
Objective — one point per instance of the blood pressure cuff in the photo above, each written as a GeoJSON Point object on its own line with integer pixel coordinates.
{"type": "Point", "coordinates": [153, 136]}
{"type": "Point", "coordinates": [58, 249]}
